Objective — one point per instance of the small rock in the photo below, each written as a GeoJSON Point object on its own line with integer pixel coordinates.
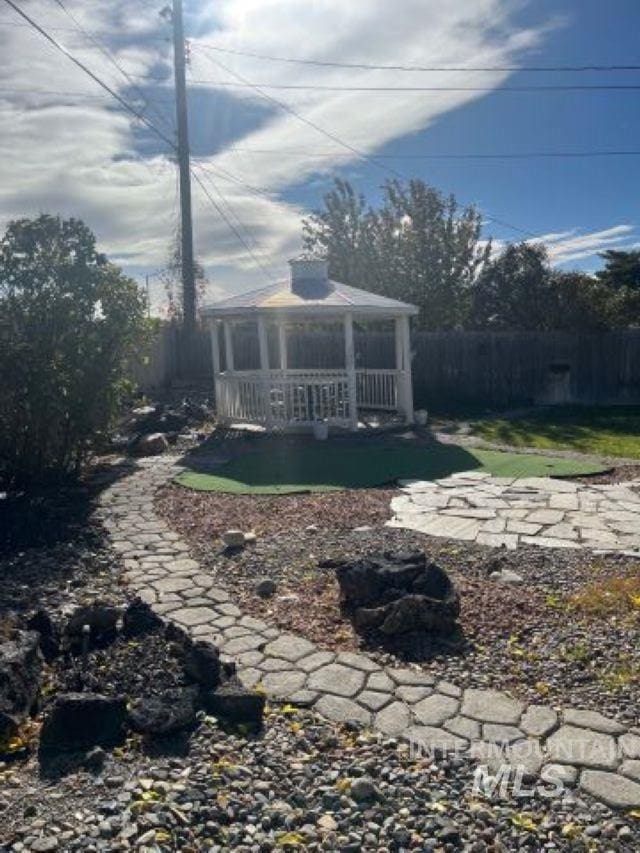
{"type": "Point", "coordinates": [327, 823]}
{"type": "Point", "coordinates": [45, 844]}
{"type": "Point", "coordinates": [266, 587]}
{"type": "Point", "coordinates": [506, 576]}
{"type": "Point", "coordinates": [363, 790]}
{"type": "Point", "coordinates": [94, 759]}
{"type": "Point", "coordinates": [233, 538]}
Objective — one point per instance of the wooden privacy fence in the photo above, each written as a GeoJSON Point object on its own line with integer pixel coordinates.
{"type": "Point", "coordinates": [477, 368]}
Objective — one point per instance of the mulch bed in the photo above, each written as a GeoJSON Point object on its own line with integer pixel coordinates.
{"type": "Point", "coordinates": [205, 516]}
{"type": "Point", "coordinates": [522, 638]}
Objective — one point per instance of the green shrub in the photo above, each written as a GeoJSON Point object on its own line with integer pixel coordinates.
{"type": "Point", "coordinates": [69, 322]}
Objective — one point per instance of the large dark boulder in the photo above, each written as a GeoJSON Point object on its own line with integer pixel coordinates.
{"type": "Point", "coordinates": [235, 704]}
{"type": "Point", "coordinates": [82, 720]}
{"type": "Point", "coordinates": [399, 594]}
{"type": "Point", "coordinates": [153, 444]}
{"type": "Point", "coordinates": [49, 634]}
{"type": "Point", "coordinates": [163, 715]}
{"type": "Point", "coordinates": [138, 619]}
{"type": "Point", "coordinates": [20, 677]}
{"type": "Point", "coordinates": [367, 581]}
{"type": "Point", "coordinates": [202, 663]}
{"type": "Point", "coordinates": [102, 619]}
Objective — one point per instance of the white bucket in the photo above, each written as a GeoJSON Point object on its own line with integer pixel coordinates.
{"type": "Point", "coordinates": [421, 416]}
{"type": "Point", "coordinates": [321, 430]}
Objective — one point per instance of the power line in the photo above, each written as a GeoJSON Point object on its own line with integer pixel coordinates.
{"type": "Point", "coordinates": [62, 49]}
{"type": "Point", "coordinates": [112, 59]}
{"type": "Point", "coordinates": [130, 109]}
{"type": "Point", "coordinates": [56, 29]}
{"type": "Point", "coordinates": [525, 155]}
{"type": "Point", "coordinates": [64, 93]}
{"type": "Point", "coordinates": [373, 67]}
{"type": "Point", "coordinates": [230, 224]}
{"type": "Point", "coordinates": [320, 87]}
{"type": "Point", "coordinates": [379, 165]}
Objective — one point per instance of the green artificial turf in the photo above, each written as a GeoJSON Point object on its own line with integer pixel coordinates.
{"type": "Point", "coordinates": [605, 431]}
{"type": "Point", "coordinates": [333, 467]}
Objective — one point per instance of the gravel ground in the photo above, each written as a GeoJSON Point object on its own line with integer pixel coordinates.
{"type": "Point", "coordinates": [525, 638]}
{"type": "Point", "coordinates": [303, 784]}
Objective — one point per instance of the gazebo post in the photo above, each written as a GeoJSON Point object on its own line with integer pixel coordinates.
{"type": "Point", "coordinates": [264, 369]}
{"type": "Point", "coordinates": [403, 365]}
{"type": "Point", "coordinates": [350, 365]}
{"type": "Point", "coordinates": [282, 345]}
{"type": "Point", "coordinates": [228, 345]}
{"type": "Point", "coordinates": [215, 355]}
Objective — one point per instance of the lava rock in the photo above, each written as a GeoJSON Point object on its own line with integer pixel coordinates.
{"type": "Point", "coordinates": [363, 583]}
{"type": "Point", "coordinates": [138, 618]}
{"type": "Point", "coordinates": [20, 677]}
{"type": "Point", "coordinates": [49, 640]}
{"type": "Point", "coordinates": [162, 715]}
{"type": "Point", "coordinates": [235, 704]}
{"type": "Point", "coordinates": [202, 663]}
{"type": "Point", "coordinates": [154, 444]}
{"type": "Point", "coordinates": [398, 594]}
{"type": "Point", "coordinates": [266, 587]}
{"type": "Point", "coordinates": [83, 720]}
{"type": "Point", "coordinates": [102, 619]}
{"type": "Point", "coordinates": [363, 790]}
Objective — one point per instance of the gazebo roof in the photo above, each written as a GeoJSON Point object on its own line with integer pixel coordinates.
{"type": "Point", "coordinates": [332, 298]}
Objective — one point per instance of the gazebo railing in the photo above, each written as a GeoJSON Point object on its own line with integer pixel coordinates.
{"type": "Point", "coordinates": [377, 389]}
{"type": "Point", "coordinates": [302, 397]}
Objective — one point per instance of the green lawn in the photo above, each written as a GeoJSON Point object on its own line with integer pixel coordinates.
{"type": "Point", "coordinates": [605, 431]}
{"type": "Point", "coordinates": [333, 467]}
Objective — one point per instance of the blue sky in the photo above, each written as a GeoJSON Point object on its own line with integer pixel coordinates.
{"type": "Point", "coordinates": [70, 152]}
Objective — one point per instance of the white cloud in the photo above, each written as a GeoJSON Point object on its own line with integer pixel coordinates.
{"type": "Point", "coordinates": [84, 159]}
{"type": "Point", "coordinates": [568, 246]}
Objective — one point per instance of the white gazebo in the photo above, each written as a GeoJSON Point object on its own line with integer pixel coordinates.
{"type": "Point", "coordinates": [277, 396]}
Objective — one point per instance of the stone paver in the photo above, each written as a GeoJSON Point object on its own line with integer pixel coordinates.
{"type": "Point", "coordinates": [338, 679]}
{"type": "Point", "coordinates": [583, 747]}
{"type": "Point", "coordinates": [613, 789]}
{"type": "Point", "coordinates": [491, 706]}
{"type": "Point", "coordinates": [539, 511]}
{"type": "Point", "coordinates": [342, 710]}
{"type": "Point", "coordinates": [538, 720]}
{"type": "Point", "coordinates": [394, 719]}
{"type": "Point", "coordinates": [571, 747]}
{"type": "Point", "coordinates": [435, 709]}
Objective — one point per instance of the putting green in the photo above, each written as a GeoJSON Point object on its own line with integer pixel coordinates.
{"type": "Point", "coordinates": [333, 467]}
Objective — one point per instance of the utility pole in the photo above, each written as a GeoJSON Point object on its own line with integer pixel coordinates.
{"type": "Point", "coordinates": [186, 225]}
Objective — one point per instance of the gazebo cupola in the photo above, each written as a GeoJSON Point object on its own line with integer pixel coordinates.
{"type": "Point", "coordinates": [280, 395]}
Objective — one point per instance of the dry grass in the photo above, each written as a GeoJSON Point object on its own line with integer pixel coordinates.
{"type": "Point", "coordinates": [608, 597]}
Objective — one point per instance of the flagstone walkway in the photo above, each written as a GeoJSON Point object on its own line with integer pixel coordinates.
{"type": "Point", "coordinates": [579, 748]}
{"type": "Point", "coordinates": [498, 511]}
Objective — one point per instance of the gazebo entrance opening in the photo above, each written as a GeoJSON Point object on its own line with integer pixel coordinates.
{"type": "Point", "coordinates": [266, 374]}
